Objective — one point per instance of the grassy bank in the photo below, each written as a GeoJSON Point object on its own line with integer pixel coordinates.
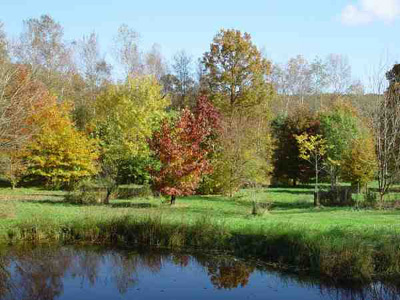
{"type": "Point", "coordinates": [341, 243]}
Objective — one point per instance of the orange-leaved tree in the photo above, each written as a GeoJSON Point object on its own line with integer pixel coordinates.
{"type": "Point", "coordinates": [183, 148]}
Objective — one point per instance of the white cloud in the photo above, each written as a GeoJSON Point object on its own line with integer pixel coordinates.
{"type": "Point", "coordinates": [351, 15]}
{"type": "Point", "coordinates": [367, 11]}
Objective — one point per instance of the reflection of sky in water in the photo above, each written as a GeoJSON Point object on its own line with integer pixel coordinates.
{"type": "Point", "coordinates": [191, 282]}
{"type": "Point", "coordinates": [90, 273]}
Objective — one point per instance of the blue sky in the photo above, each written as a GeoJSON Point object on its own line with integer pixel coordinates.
{"type": "Point", "coordinates": [364, 30]}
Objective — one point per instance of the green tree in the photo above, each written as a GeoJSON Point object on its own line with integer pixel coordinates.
{"type": "Point", "coordinates": [125, 117]}
{"type": "Point", "coordinates": [129, 113]}
{"type": "Point", "coordinates": [288, 166]}
{"type": "Point", "coordinates": [340, 126]}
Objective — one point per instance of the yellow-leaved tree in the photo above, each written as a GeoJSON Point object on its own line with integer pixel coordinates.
{"type": "Point", "coordinates": [59, 153]}
{"type": "Point", "coordinates": [313, 149]}
{"type": "Point", "coordinates": [125, 117]}
{"type": "Point", "coordinates": [359, 163]}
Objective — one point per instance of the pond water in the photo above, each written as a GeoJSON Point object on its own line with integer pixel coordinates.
{"type": "Point", "coordinates": [74, 273]}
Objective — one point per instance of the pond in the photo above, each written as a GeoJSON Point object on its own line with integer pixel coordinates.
{"type": "Point", "coordinates": [97, 273]}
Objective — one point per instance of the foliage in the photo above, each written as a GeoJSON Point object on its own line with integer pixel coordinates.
{"type": "Point", "coordinates": [134, 170]}
{"type": "Point", "coordinates": [340, 126]}
{"type": "Point", "coordinates": [14, 165]}
{"type": "Point", "coordinates": [236, 73]}
{"type": "Point", "coordinates": [313, 148]}
{"type": "Point", "coordinates": [359, 162]}
{"type": "Point", "coordinates": [370, 198]}
{"type": "Point", "coordinates": [21, 98]}
{"type": "Point", "coordinates": [84, 192]}
{"type": "Point", "coordinates": [183, 149]}
{"type": "Point", "coordinates": [242, 156]}
{"type": "Point", "coordinates": [126, 116]}
{"type": "Point", "coordinates": [59, 153]}
{"type": "Point", "coordinates": [287, 163]}
{"type": "Point", "coordinates": [340, 196]}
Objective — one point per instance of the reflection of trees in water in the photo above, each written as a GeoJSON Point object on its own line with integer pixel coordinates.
{"type": "Point", "coordinates": [227, 273]}
{"type": "Point", "coordinates": [38, 273]}
{"type": "Point", "coordinates": [124, 270]}
{"type": "Point", "coordinates": [5, 279]}
{"type": "Point", "coordinates": [181, 260]}
{"type": "Point", "coordinates": [86, 265]}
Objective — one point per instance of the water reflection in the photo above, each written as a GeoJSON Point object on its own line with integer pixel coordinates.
{"type": "Point", "coordinates": [68, 273]}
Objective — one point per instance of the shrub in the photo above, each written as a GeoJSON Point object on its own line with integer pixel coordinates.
{"type": "Point", "coordinates": [340, 196]}
{"type": "Point", "coordinates": [370, 199]}
{"type": "Point", "coordinates": [85, 192]}
{"type": "Point", "coordinates": [260, 208]}
{"type": "Point", "coordinates": [131, 192]}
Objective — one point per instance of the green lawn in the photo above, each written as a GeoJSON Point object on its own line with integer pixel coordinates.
{"type": "Point", "coordinates": [290, 206]}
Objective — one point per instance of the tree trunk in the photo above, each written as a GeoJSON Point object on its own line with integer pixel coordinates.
{"type": "Point", "coordinates": [173, 197]}
{"type": "Point", "coordinates": [316, 194]}
{"type": "Point", "coordinates": [333, 178]}
{"type": "Point", "coordinates": [381, 198]}
{"type": "Point", "coordinates": [107, 198]}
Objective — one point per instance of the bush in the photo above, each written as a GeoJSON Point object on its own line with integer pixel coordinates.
{"type": "Point", "coordinates": [341, 196]}
{"type": "Point", "coordinates": [131, 192]}
{"type": "Point", "coordinates": [370, 199]}
{"type": "Point", "coordinates": [260, 208]}
{"type": "Point", "coordinates": [85, 192]}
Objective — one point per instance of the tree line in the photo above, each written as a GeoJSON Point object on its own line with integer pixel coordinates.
{"type": "Point", "coordinates": [229, 120]}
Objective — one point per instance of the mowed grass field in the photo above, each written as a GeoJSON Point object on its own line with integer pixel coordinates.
{"type": "Point", "coordinates": [290, 206]}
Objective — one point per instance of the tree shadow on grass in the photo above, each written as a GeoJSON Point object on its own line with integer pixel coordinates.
{"type": "Point", "coordinates": [292, 205]}
{"type": "Point", "coordinates": [47, 194]}
{"type": "Point", "coordinates": [133, 205]}
{"type": "Point", "coordinates": [60, 202]}
{"type": "Point", "coordinates": [236, 200]}
{"type": "Point", "coordinates": [293, 191]}
{"type": "Point", "coordinates": [310, 210]}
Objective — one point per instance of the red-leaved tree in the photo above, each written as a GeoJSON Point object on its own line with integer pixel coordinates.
{"type": "Point", "coordinates": [183, 149]}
